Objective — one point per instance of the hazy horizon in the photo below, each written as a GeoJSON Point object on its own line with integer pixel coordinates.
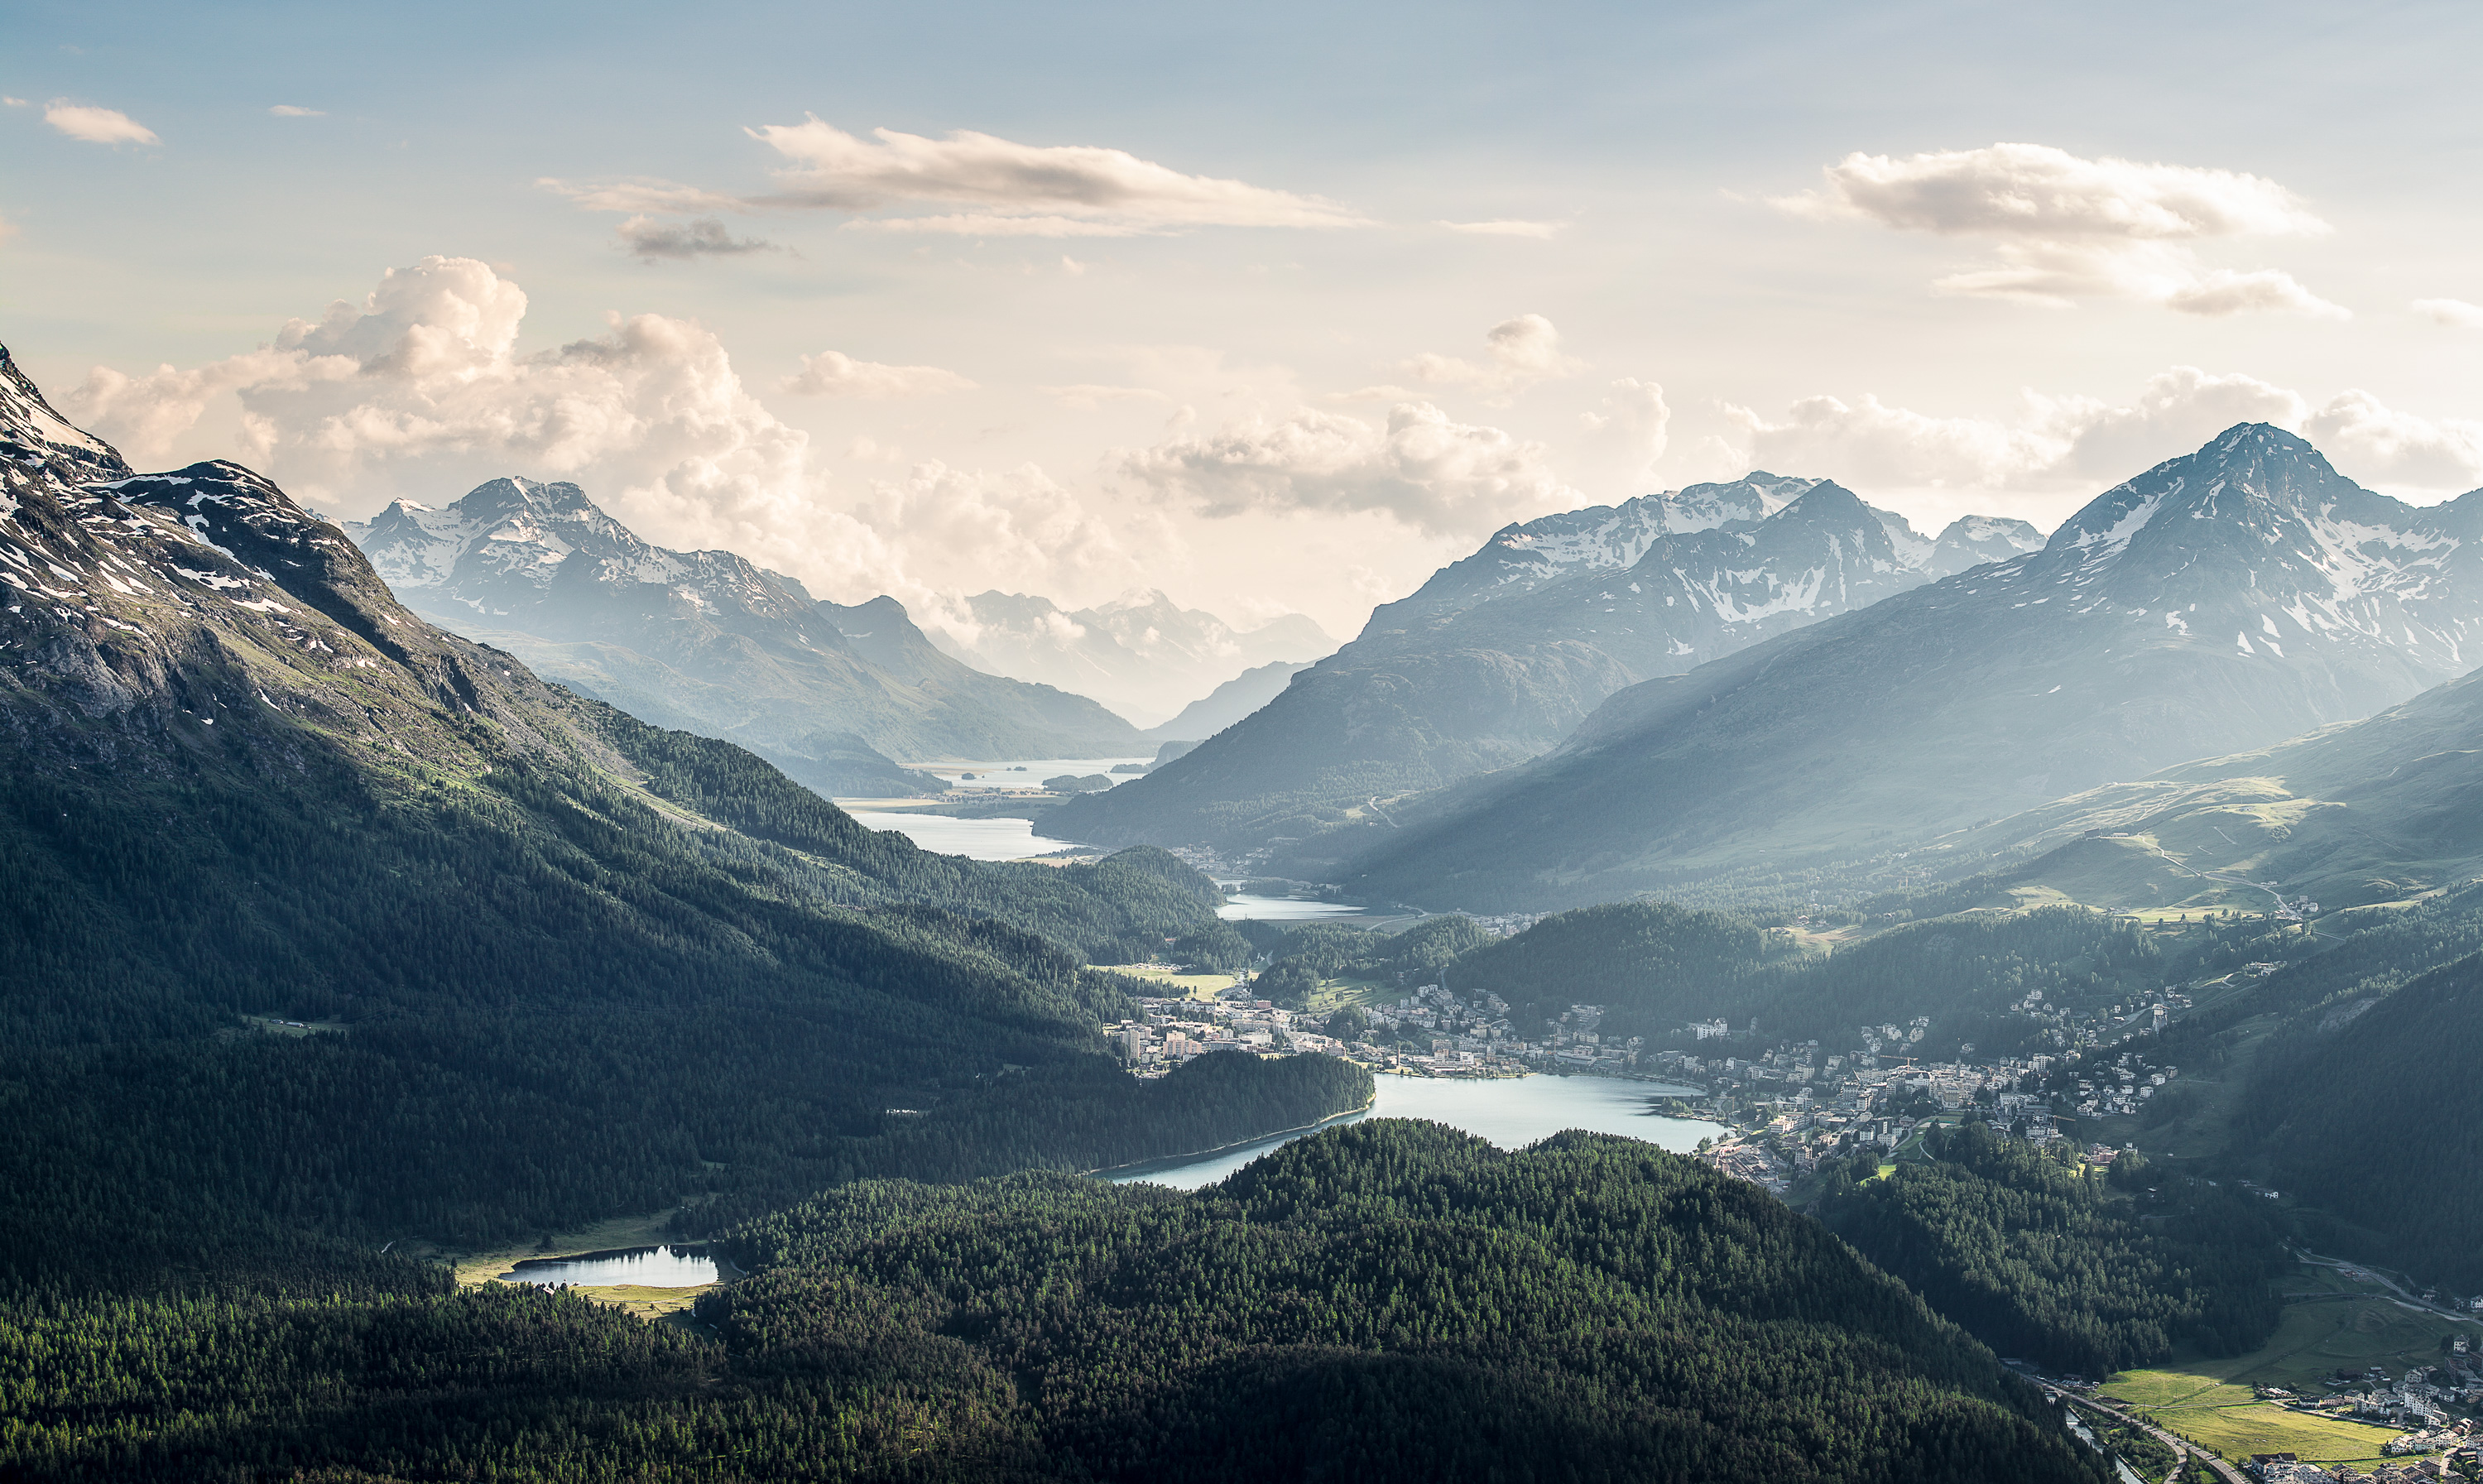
{"type": "Point", "coordinates": [1275, 313]}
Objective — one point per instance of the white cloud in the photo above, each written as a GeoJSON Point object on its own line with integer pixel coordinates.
{"type": "Point", "coordinates": [2064, 445]}
{"type": "Point", "coordinates": [640, 194]}
{"type": "Point", "coordinates": [988, 223]}
{"type": "Point", "coordinates": [15, 102]}
{"type": "Point", "coordinates": [1019, 529]}
{"type": "Point", "coordinates": [2222, 291]}
{"type": "Point", "coordinates": [2053, 442]}
{"type": "Point", "coordinates": [1621, 438]}
{"type": "Point", "coordinates": [419, 389]}
{"type": "Point", "coordinates": [1009, 188]}
{"type": "Point", "coordinates": [2049, 195]}
{"type": "Point", "coordinates": [96, 125]}
{"type": "Point", "coordinates": [682, 241]}
{"type": "Point", "coordinates": [1423, 468]}
{"type": "Point", "coordinates": [2066, 229]}
{"type": "Point", "coordinates": [834, 374]}
{"type": "Point", "coordinates": [296, 111]}
{"type": "Point", "coordinates": [1521, 352]}
{"type": "Point", "coordinates": [2455, 313]}
{"type": "Point", "coordinates": [2372, 442]}
{"type": "Point", "coordinates": [1505, 228]}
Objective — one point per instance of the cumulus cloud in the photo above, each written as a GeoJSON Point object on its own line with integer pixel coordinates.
{"type": "Point", "coordinates": [1007, 188]}
{"type": "Point", "coordinates": [2080, 444]}
{"type": "Point", "coordinates": [1018, 529]}
{"type": "Point", "coordinates": [296, 111]}
{"type": "Point", "coordinates": [834, 374]}
{"type": "Point", "coordinates": [423, 375]}
{"type": "Point", "coordinates": [96, 125]}
{"type": "Point", "coordinates": [2065, 228]}
{"type": "Point", "coordinates": [419, 389]}
{"type": "Point", "coordinates": [1521, 351]}
{"type": "Point", "coordinates": [1504, 227]}
{"type": "Point", "coordinates": [682, 241]}
{"type": "Point", "coordinates": [1421, 467]}
{"type": "Point", "coordinates": [2372, 442]}
{"type": "Point", "coordinates": [2455, 313]}
{"type": "Point", "coordinates": [1621, 438]}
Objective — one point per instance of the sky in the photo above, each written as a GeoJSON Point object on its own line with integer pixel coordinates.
{"type": "Point", "coordinates": [1273, 307]}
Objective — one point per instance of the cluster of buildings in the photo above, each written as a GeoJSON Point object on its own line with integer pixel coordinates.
{"type": "Point", "coordinates": [1798, 1107]}
{"type": "Point", "coordinates": [2419, 1400]}
{"type": "Point", "coordinates": [2285, 1469]}
{"type": "Point", "coordinates": [1170, 1030]}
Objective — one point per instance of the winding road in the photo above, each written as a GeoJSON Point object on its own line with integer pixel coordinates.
{"type": "Point", "coordinates": [2181, 1446]}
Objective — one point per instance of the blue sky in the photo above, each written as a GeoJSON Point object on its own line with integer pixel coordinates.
{"type": "Point", "coordinates": [1260, 371]}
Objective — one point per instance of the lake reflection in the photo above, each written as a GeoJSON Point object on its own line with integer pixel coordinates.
{"type": "Point", "coordinates": [978, 840]}
{"type": "Point", "coordinates": [646, 1267]}
{"type": "Point", "coordinates": [1242, 907]}
{"type": "Point", "coordinates": [1508, 1111]}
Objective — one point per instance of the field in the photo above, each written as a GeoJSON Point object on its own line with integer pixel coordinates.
{"type": "Point", "coordinates": [1337, 994]}
{"type": "Point", "coordinates": [2209, 1401]}
{"type": "Point", "coordinates": [648, 1303]}
{"type": "Point", "coordinates": [1192, 986]}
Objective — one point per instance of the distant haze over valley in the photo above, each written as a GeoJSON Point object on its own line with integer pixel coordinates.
{"type": "Point", "coordinates": [1143, 654]}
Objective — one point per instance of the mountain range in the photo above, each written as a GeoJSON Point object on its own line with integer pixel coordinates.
{"type": "Point", "coordinates": [1501, 655]}
{"type": "Point", "coordinates": [1138, 655]}
{"type": "Point", "coordinates": [707, 642]}
{"type": "Point", "coordinates": [2220, 601]}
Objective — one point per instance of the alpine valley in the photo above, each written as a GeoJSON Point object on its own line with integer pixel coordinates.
{"type": "Point", "coordinates": [392, 905]}
{"type": "Point", "coordinates": [1502, 654]}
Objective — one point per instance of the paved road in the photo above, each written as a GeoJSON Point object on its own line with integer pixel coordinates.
{"type": "Point", "coordinates": [2304, 1254]}
{"type": "Point", "coordinates": [2179, 1444]}
{"type": "Point", "coordinates": [2231, 880]}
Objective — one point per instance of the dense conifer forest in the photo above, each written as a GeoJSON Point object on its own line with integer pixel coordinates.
{"type": "Point", "coordinates": [2039, 1256]}
{"type": "Point", "coordinates": [1387, 1301]}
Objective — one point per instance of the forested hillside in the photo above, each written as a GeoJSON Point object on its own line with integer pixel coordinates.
{"type": "Point", "coordinates": [1656, 966]}
{"type": "Point", "coordinates": [2383, 1154]}
{"type": "Point", "coordinates": [2038, 1256]}
{"type": "Point", "coordinates": [1391, 1301]}
{"type": "Point", "coordinates": [326, 925]}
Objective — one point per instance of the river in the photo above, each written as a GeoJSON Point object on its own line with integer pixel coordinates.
{"type": "Point", "coordinates": [1508, 1111]}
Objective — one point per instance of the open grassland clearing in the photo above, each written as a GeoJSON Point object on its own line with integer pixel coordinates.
{"type": "Point", "coordinates": [1334, 995]}
{"type": "Point", "coordinates": [1194, 986]}
{"type": "Point", "coordinates": [2262, 1427]}
{"type": "Point", "coordinates": [644, 1302]}
{"type": "Point", "coordinates": [2212, 1401]}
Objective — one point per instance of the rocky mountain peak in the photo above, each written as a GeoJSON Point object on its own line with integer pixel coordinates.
{"type": "Point", "coordinates": [33, 436]}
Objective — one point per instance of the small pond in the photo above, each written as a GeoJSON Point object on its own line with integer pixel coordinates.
{"type": "Point", "coordinates": [646, 1267]}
